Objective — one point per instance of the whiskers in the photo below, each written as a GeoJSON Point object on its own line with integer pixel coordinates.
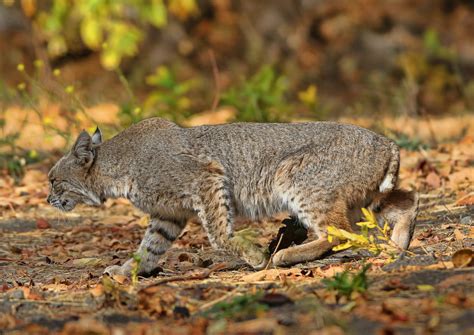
{"type": "Point", "coordinates": [61, 217]}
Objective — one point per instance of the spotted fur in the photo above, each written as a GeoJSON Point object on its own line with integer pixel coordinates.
{"type": "Point", "coordinates": [321, 172]}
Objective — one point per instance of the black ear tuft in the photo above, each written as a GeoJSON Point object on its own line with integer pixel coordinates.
{"type": "Point", "coordinates": [82, 149]}
{"type": "Point", "coordinates": [97, 137]}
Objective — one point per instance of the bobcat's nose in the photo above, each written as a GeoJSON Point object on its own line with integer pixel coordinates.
{"type": "Point", "coordinates": [48, 199]}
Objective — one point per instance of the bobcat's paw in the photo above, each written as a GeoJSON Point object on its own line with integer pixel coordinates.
{"type": "Point", "coordinates": [116, 270]}
{"type": "Point", "coordinates": [243, 244]}
{"type": "Point", "coordinates": [282, 258]}
{"type": "Point", "coordinates": [113, 270]}
{"type": "Point", "coordinates": [255, 258]}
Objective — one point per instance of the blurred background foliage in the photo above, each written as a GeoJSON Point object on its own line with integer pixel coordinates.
{"type": "Point", "coordinates": [266, 60]}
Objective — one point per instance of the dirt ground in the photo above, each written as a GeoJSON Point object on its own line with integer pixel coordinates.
{"type": "Point", "coordinates": [51, 267]}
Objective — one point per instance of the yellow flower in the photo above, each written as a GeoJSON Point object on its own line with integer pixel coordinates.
{"type": "Point", "coordinates": [425, 288]}
{"type": "Point", "coordinates": [342, 246]}
{"type": "Point", "coordinates": [56, 72]}
{"type": "Point", "coordinates": [69, 89]}
{"type": "Point", "coordinates": [20, 67]}
{"type": "Point", "coordinates": [38, 63]}
{"type": "Point", "coordinates": [370, 220]}
{"type": "Point", "coordinates": [137, 110]}
{"type": "Point", "coordinates": [309, 96]}
{"type": "Point", "coordinates": [47, 121]}
{"type": "Point", "coordinates": [21, 86]}
{"type": "Point", "coordinates": [367, 224]}
{"type": "Point", "coordinates": [33, 154]}
{"type": "Point", "coordinates": [369, 215]}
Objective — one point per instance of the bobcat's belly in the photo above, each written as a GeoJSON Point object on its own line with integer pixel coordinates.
{"type": "Point", "coordinates": [253, 205]}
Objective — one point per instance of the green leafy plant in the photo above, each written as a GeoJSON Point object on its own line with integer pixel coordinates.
{"type": "Point", "coordinates": [12, 158]}
{"type": "Point", "coordinates": [115, 28]}
{"type": "Point", "coordinates": [136, 266]}
{"type": "Point", "coordinates": [168, 98]}
{"type": "Point", "coordinates": [345, 283]}
{"type": "Point", "coordinates": [28, 94]}
{"type": "Point", "coordinates": [409, 143]}
{"type": "Point", "coordinates": [260, 98]}
{"type": "Point", "coordinates": [32, 89]}
{"type": "Point", "coordinates": [238, 308]}
{"type": "Point", "coordinates": [169, 95]}
{"type": "Point", "coordinates": [432, 75]}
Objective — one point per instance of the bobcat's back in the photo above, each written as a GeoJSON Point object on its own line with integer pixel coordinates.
{"type": "Point", "coordinates": [336, 157]}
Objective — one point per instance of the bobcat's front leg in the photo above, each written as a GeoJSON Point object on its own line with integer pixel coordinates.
{"type": "Point", "coordinates": [159, 236]}
{"type": "Point", "coordinates": [214, 208]}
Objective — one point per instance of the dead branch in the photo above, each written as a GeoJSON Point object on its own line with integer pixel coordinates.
{"type": "Point", "coordinates": [215, 72]}
{"type": "Point", "coordinates": [193, 276]}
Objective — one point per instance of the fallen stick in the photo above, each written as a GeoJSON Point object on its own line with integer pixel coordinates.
{"type": "Point", "coordinates": [270, 260]}
{"type": "Point", "coordinates": [194, 276]}
{"type": "Point", "coordinates": [46, 302]}
{"type": "Point", "coordinates": [2, 259]}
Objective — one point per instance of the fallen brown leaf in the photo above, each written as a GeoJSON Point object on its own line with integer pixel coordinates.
{"type": "Point", "coordinates": [29, 294]}
{"type": "Point", "coordinates": [87, 261]}
{"type": "Point", "coordinates": [467, 200]}
{"type": "Point", "coordinates": [458, 235]}
{"type": "Point", "coordinates": [457, 279]}
{"type": "Point", "coordinates": [42, 224]}
{"type": "Point", "coordinates": [433, 180]}
{"type": "Point", "coordinates": [97, 291]}
{"type": "Point", "coordinates": [466, 175]}
{"type": "Point", "coordinates": [34, 176]}
{"type": "Point", "coordinates": [274, 274]}
{"type": "Point", "coordinates": [121, 279]}
{"type": "Point", "coordinates": [257, 326]}
{"type": "Point", "coordinates": [463, 258]}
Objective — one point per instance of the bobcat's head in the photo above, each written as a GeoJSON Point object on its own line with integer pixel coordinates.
{"type": "Point", "coordinates": [67, 178]}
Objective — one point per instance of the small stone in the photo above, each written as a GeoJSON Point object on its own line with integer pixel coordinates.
{"type": "Point", "coordinates": [466, 220]}
{"type": "Point", "coordinates": [275, 299]}
{"type": "Point", "coordinates": [42, 224]}
{"type": "Point", "coordinates": [181, 312]}
{"type": "Point", "coordinates": [17, 294]}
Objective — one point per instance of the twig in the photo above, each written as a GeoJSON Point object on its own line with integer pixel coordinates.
{"type": "Point", "coordinates": [126, 85]}
{"type": "Point", "coordinates": [425, 115]}
{"type": "Point", "coordinates": [274, 252]}
{"type": "Point", "coordinates": [216, 301]}
{"type": "Point", "coordinates": [47, 302]}
{"type": "Point", "coordinates": [194, 276]}
{"type": "Point", "coordinates": [215, 73]}
{"type": "Point", "coordinates": [427, 252]}
{"type": "Point", "coordinates": [449, 211]}
{"type": "Point", "coordinates": [2, 259]}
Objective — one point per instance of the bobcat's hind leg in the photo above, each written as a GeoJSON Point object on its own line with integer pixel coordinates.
{"type": "Point", "coordinates": [399, 209]}
{"type": "Point", "coordinates": [159, 236]}
{"type": "Point", "coordinates": [214, 208]}
{"type": "Point", "coordinates": [318, 221]}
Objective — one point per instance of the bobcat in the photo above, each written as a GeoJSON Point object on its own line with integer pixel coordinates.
{"type": "Point", "coordinates": [320, 172]}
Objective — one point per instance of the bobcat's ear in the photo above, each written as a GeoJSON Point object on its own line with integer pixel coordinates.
{"type": "Point", "coordinates": [83, 150]}
{"type": "Point", "coordinates": [97, 137]}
